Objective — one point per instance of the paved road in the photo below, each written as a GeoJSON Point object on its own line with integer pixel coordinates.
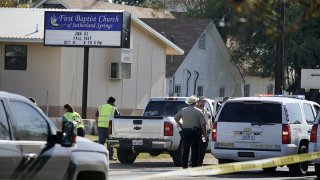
{"type": "Point", "coordinates": [142, 168]}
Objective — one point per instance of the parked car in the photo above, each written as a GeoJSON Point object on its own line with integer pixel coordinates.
{"type": "Point", "coordinates": [31, 147]}
{"type": "Point", "coordinates": [251, 128]}
{"type": "Point", "coordinates": [314, 144]}
{"type": "Point", "coordinates": [154, 132]}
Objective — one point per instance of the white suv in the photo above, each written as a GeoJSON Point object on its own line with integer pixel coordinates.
{"type": "Point", "coordinates": [314, 144]}
{"type": "Point", "coordinates": [251, 128]}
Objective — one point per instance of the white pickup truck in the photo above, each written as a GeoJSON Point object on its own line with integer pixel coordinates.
{"type": "Point", "coordinates": [154, 132]}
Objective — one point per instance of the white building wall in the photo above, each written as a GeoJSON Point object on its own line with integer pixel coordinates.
{"type": "Point", "coordinates": [60, 71]}
{"type": "Point", "coordinates": [213, 66]}
{"type": "Point", "coordinates": [258, 85]}
{"type": "Point", "coordinates": [42, 74]}
{"type": "Point", "coordinates": [147, 74]}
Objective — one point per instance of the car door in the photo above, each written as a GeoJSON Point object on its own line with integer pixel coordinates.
{"type": "Point", "coordinates": [10, 153]}
{"type": "Point", "coordinates": [44, 160]}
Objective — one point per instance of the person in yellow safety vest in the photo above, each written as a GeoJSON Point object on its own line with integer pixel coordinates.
{"type": "Point", "coordinates": [104, 113]}
{"type": "Point", "coordinates": [72, 116]}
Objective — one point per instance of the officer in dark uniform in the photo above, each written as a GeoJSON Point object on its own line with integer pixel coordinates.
{"type": "Point", "coordinates": [193, 124]}
{"type": "Point", "coordinates": [204, 142]}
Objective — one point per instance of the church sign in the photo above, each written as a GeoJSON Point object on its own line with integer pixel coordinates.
{"type": "Point", "coordinates": [87, 29]}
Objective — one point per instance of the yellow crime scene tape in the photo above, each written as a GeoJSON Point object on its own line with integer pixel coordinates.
{"type": "Point", "coordinates": [235, 167]}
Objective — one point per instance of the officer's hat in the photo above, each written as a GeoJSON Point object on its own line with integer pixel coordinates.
{"type": "Point", "coordinates": [192, 99]}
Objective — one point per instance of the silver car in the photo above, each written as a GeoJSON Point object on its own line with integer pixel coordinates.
{"type": "Point", "coordinates": [31, 147]}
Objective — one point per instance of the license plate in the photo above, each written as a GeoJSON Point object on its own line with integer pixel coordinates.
{"type": "Point", "coordinates": [137, 142]}
{"type": "Point", "coordinates": [247, 136]}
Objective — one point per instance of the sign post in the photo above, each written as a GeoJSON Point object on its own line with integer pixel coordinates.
{"type": "Point", "coordinates": [87, 29]}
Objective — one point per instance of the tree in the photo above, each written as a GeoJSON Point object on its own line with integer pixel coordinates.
{"type": "Point", "coordinates": [129, 2]}
{"type": "Point", "coordinates": [8, 3]}
{"type": "Point", "coordinates": [249, 29]}
{"type": "Point", "coordinates": [154, 4]}
{"type": "Point", "coordinates": [15, 3]}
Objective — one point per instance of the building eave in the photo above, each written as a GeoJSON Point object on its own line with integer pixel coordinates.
{"type": "Point", "coordinates": [171, 48]}
{"type": "Point", "coordinates": [21, 40]}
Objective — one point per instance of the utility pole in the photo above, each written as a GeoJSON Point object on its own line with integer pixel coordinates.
{"type": "Point", "coordinates": [279, 68]}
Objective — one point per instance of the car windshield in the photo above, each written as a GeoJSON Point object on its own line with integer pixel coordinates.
{"type": "Point", "coordinates": [252, 112]}
{"type": "Point", "coordinates": [164, 108]}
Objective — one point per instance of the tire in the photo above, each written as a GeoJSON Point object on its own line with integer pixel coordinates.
{"type": "Point", "coordinates": [91, 175]}
{"type": "Point", "coordinates": [269, 170]}
{"type": "Point", "coordinates": [126, 156]}
{"type": "Point", "coordinates": [177, 156]}
{"type": "Point", "coordinates": [317, 169]}
{"type": "Point", "coordinates": [224, 161]}
{"type": "Point", "coordinates": [300, 169]}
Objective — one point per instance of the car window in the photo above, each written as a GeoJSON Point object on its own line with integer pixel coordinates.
{"type": "Point", "coordinates": [308, 113]}
{"type": "Point", "coordinates": [317, 108]}
{"type": "Point", "coordinates": [30, 125]}
{"type": "Point", "coordinates": [4, 127]}
{"type": "Point", "coordinates": [252, 112]}
{"type": "Point", "coordinates": [294, 113]}
{"type": "Point", "coordinates": [164, 108]}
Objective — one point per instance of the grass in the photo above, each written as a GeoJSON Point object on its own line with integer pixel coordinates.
{"type": "Point", "coordinates": [142, 156]}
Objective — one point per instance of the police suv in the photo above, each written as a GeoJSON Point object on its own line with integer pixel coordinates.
{"type": "Point", "coordinates": [251, 128]}
{"type": "Point", "coordinates": [31, 147]}
{"type": "Point", "coordinates": [314, 144]}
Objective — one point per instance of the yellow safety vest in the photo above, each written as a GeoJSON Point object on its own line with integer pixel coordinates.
{"type": "Point", "coordinates": [74, 117]}
{"type": "Point", "coordinates": [106, 112]}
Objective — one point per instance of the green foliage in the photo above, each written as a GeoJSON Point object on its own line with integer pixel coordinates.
{"type": "Point", "coordinates": [154, 4]}
{"type": "Point", "coordinates": [157, 5]}
{"type": "Point", "coordinates": [14, 3]}
{"type": "Point", "coordinates": [129, 2]}
{"type": "Point", "coordinates": [8, 3]}
{"type": "Point", "coordinates": [250, 28]}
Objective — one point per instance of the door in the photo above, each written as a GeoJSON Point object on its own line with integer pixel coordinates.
{"type": "Point", "coordinates": [10, 153]}
{"type": "Point", "coordinates": [43, 161]}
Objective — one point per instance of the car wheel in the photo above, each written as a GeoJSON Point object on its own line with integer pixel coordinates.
{"type": "Point", "coordinates": [126, 156]}
{"type": "Point", "coordinates": [177, 156]}
{"type": "Point", "coordinates": [300, 169]}
{"type": "Point", "coordinates": [269, 170]}
{"type": "Point", "coordinates": [317, 169]}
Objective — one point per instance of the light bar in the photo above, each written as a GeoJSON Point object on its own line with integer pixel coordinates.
{"type": "Point", "coordinates": [280, 95]}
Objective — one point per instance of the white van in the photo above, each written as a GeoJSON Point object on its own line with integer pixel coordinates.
{"type": "Point", "coordinates": [251, 128]}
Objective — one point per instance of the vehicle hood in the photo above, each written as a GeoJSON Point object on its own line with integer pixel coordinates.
{"type": "Point", "coordinates": [83, 144]}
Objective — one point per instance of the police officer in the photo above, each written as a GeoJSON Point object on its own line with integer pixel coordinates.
{"type": "Point", "coordinates": [204, 144]}
{"type": "Point", "coordinates": [104, 113]}
{"type": "Point", "coordinates": [193, 124]}
{"type": "Point", "coordinates": [71, 116]}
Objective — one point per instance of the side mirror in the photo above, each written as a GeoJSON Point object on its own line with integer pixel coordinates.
{"type": "Point", "coordinates": [68, 134]}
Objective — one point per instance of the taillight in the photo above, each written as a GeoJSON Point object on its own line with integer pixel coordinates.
{"type": "Point", "coordinates": [110, 127]}
{"type": "Point", "coordinates": [313, 135]}
{"type": "Point", "coordinates": [168, 129]}
{"type": "Point", "coordinates": [286, 134]}
{"type": "Point", "coordinates": [214, 131]}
